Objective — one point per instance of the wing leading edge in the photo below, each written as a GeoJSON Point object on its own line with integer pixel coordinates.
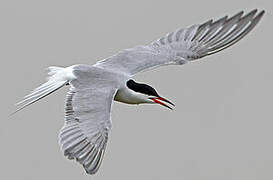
{"type": "Point", "coordinates": [184, 45]}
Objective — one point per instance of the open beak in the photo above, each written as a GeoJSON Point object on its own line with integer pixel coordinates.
{"type": "Point", "coordinates": [161, 100]}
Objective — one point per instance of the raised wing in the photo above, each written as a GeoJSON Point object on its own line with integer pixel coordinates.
{"type": "Point", "coordinates": [87, 120]}
{"type": "Point", "coordinates": [184, 45]}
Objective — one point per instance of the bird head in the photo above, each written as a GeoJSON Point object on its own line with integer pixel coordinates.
{"type": "Point", "coordinates": [148, 93]}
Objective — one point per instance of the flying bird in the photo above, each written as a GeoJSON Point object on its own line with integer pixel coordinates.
{"type": "Point", "coordinates": [94, 87]}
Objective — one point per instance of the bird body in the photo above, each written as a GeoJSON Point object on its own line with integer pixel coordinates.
{"type": "Point", "coordinates": [102, 77]}
{"type": "Point", "coordinates": [94, 87]}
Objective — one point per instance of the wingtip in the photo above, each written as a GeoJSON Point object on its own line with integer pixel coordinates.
{"type": "Point", "coordinates": [240, 13]}
{"type": "Point", "coordinates": [14, 112]}
{"type": "Point", "coordinates": [254, 11]}
{"type": "Point", "coordinates": [261, 13]}
{"type": "Point", "coordinates": [259, 16]}
{"type": "Point", "coordinates": [251, 13]}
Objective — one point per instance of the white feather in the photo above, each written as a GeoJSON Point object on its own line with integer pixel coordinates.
{"type": "Point", "coordinates": [58, 77]}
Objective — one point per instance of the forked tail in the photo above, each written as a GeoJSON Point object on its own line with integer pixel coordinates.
{"type": "Point", "coordinates": [58, 77]}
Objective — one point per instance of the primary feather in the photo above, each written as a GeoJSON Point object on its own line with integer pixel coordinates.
{"type": "Point", "coordinates": [184, 45]}
{"type": "Point", "coordinates": [88, 104]}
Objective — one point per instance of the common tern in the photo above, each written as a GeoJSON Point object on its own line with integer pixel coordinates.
{"type": "Point", "coordinates": [94, 87]}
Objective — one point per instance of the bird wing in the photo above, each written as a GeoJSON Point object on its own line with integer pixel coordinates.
{"type": "Point", "coordinates": [87, 120]}
{"type": "Point", "coordinates": [184, 45]}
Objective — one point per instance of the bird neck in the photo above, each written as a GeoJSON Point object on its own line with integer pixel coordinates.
{"type": "Point", "coordinates": [128, 96]}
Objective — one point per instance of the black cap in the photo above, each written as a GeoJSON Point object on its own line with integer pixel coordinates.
{"type": "Point", "coordinates": [141, 88]}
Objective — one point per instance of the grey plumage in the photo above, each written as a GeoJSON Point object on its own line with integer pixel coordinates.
{"type": "Point", "coordinates": [185, 45]}
{"type": "Point", "coordinates": [93, 88]}
{"type": "Point", "coordinates": [87, 119]}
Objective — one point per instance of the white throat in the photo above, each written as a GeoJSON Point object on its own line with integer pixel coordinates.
{"type": "Point", "coordinates": [129, 96]}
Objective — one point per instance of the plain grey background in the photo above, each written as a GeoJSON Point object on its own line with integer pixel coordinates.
{"type": "Point", "coordinates": [221, 128]}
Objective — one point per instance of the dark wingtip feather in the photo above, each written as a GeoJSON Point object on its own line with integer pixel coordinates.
{"type": "Point", "coordinates": [238, 15]}
{"type": "Point", "coordinates": [250, 17]}
{"type": "Point", "coordinates": [253, 11]}
{"type": "Point", "coordinates": [260, 15]}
